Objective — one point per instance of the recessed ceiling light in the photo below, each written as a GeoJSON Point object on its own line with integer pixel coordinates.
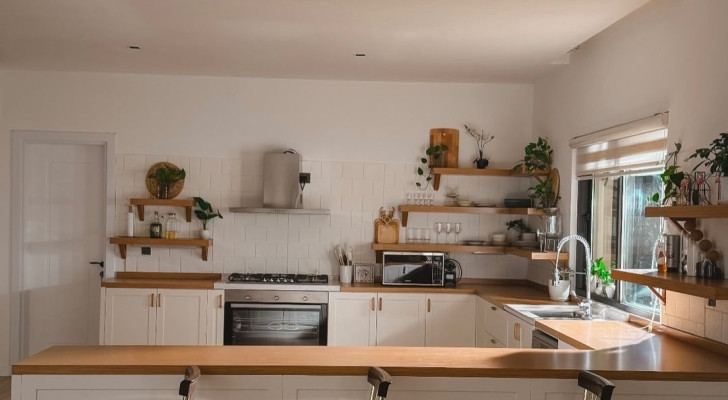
{"type": "Point", "coordinates": [135, 47]}
{"type": "Point", "coordinates": [360, 55]}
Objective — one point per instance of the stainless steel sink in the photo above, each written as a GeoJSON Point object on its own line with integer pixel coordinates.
{"type": "Point", "coordinates": [546, 314]}
{"type": "Point", "coordinates": [530, 312]}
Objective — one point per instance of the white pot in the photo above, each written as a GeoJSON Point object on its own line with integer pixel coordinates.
{"type": "Point", "coordinates": [205, 234]}
{"type": "Point", "coordinates": [560, 292]}
{"type": "Point", "coordinates": [607, 290]}
{"type": "Point", "coordinates": [723, 190]}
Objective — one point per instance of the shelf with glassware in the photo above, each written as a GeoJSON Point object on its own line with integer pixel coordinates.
{"type": "Point", "coordinates": [405, 209]}
{"type": "Point", "coordinates": [123, 241]}
{"type": "Point", "coordinates": [437, 172]}
{"type": "Point", "coordinates": [531, 254]}
{"type": "Point", "coordinates": [187, 204]}
{"type": "Point", "coordinates": [713, 289]}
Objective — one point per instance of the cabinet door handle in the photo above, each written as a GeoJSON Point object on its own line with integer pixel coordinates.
{"type": "Point", "coordinates": [493, 308]}
{"type": "Point", "coordinates": [517, 333]}
{"type": "Point", "coordinates": [380, 304]}
{"type": "Point", "coordinates": [373, 306]}
{"type": "Point", "coordinates": [492, 341]}
{"type": "Point", "coordinates": [429, 305]}
{"type": "Point", "coordinates": [159, 300]}
{"type": "Point", "coordinates": [219, 302]}
{"type": "Point", "coordinates": [152, 299]}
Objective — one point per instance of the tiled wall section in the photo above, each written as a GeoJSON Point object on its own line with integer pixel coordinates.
{"type": "Point", "coordinates": [693, 315]}
{"type": "Point", "coordinates": [301, 243]}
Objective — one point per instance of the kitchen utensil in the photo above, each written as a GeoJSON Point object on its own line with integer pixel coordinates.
{"type": "Point", "coordinates": [449, 138]}
{"type": "Point", "coordinates": [345, 273]}
{"type": "Point", "coordinates": [349, 256]}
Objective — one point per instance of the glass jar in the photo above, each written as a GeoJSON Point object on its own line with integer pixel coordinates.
{"type": "Point", "coordinates": [551, 228]}
{"type": "Point", "coordinates": [172, 226]}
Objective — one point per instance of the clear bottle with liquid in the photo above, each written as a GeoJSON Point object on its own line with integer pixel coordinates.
{"type": "Point", "coordinates": [155, 229]}
{"type": "Point", "coordinates": [172, 227]}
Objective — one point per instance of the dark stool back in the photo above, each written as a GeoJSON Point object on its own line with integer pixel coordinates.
{"type": "Point", "coordinates": [380, 381]}
{"type": "Point", "coordinates": [595, 386]}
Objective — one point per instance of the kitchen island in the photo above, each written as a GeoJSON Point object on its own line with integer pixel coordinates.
{"type": "Point", "coordinates": [657, 367]}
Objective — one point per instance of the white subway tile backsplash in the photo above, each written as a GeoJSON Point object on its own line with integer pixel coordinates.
{"type": "Point", "coordinates": [713, 325]}
{"type": "Point", "coordinates": [352, 170]}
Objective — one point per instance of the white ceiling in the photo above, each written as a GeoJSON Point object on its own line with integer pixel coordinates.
{"type": "Point", "coordinates": [404, 40]}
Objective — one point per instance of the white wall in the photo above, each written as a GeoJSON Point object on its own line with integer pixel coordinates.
{"type": "Point", "coordinates": [669, 55]}
{"type": "Point", "coordinates": [360, 141]}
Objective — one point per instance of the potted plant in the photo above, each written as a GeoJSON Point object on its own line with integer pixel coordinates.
{"type": "Point", "coordinates": [481, 139]}
{"type": "Point", "coordinates": [435, 158]}
{"type": "Point", "coordinates": [537, 157]}
{"type": "Point", "coordinates": [205, 214]}
{"type": "Point", "coordinates": [519, 226]}
{"type": "Point", "coordinates": [715, 158]}
{"type": "Point", "coordinates": [543, 194]}
{"type": "Point", "coordinates": [673, 180]}
{"type": "Point", "coordinates": [166, 176]}
{"type": "Point", "coordinates": [602, 276]}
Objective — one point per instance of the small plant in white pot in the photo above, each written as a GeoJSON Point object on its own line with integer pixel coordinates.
{"type": "Point", "coordinates": [205, 214]}
{"type": "Point", "coordinates": [604, 283]}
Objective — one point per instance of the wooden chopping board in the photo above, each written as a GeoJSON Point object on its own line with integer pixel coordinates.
{"type": "Point", "coordinates": [451, 139]}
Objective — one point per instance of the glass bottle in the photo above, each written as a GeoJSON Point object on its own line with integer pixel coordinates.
{"type": "Point", "coordinates": [552, 227]}
{"type": "Point", "coordinates": [172, 223]}
{"type": "Point", "coordinates": [155, 229]}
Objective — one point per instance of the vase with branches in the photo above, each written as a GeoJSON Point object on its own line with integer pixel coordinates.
{"type": "Point", "coordinates": [481, 139]}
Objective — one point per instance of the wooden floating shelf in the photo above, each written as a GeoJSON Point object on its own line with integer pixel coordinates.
{"type": "Point", "coordinates": [459, 248]}
{"type": "Point", "coordinates": [713, 289]}
{"type": "Point", "coordinates": [688, 212]}
{"type": "Point", "coordinates": [437, 172]}
{"type": "Point", "coordinates": [405, 209]}
{"type": "Point", "coordinates": [124, 241]}
{"type": "Point", "coordinates": [187, 204]}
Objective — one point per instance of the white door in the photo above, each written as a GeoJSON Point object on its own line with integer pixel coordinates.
{"type": "Point", "coordinates": [352, 319]}
{"type": "Point", "coordinates": [215, 317]}
{"type": "Point", "coordinates": [63, 230]}
{"type": "Point", "coordinates": [130, 316]}
{"type": "Point", "coordinates": [450, 320]}
{"type": "Point", "coordinates": [181, 317]}
{"type": "Point", "coordinates": [401, 319]}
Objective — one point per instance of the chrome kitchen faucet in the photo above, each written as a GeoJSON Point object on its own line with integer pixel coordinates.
{"type": "Point", "coordinates": [586, 304]}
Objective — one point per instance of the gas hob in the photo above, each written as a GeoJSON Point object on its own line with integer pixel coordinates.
{"type": "Point", "coordinates": [277, 282]}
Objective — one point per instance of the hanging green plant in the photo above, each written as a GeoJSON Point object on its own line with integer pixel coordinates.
{"type": "Point", "coordinates": [435, 158]}
{"type": "Point", "coordinates": [671, 178]}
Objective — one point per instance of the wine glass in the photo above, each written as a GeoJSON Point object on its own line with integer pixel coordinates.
{"type": "Point", "coordinates": [438, 230]}
{"type": "Point", "coordinates": [458, 229]}
{"type": "Point", "coordinates": [448, 229]}
{"type": "Point", "coordinates": [409, 198]}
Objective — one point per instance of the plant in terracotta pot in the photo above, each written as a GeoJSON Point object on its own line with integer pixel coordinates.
{"type": "Point", "coordinates": [715, 158]}
{"type": "Point", "coordinates": [435, 159]}
{"type": "Point", "coordinates": [166, 177]}
{"type": "Point", "coordinates": [205, 214]}
{"type": "Point", "coordinates": [481, 139]}
{"type": "Point", "coordinates": [602, 275]}
{"type": "Point", "coordinates": [537, 157]}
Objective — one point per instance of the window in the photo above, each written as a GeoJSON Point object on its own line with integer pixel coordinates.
{"type": "Point", "coordinates": [618, 173]}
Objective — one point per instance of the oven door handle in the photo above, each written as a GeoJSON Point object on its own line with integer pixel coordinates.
{"type": "Point", "coordinates": [266, 306]}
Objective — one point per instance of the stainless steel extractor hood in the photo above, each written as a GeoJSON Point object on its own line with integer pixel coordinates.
{"type": "Point", "coordinates": [282, 186]}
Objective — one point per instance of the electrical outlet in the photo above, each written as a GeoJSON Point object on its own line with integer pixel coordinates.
{"type": "Point", "coordinates": [146, 251]}
{"type": "Point", "coordinates": [304, 177]}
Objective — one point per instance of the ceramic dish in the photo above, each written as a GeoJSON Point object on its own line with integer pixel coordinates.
{"type": "Point", "coordinates": [465, 203]}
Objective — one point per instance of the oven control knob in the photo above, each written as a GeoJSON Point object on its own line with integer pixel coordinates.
{"type": "Point", "coordinates": [276, 298]}
{"type": "Point", "coordinates": [247, 297]}
{"type": "Point", "coordinates": [305, 298]}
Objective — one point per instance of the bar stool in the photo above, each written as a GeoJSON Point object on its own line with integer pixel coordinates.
{"type": "Point", "coordinates": [595, 386]}
{"type": "Point", "coordinates": [187, 386]}
{"type": "Point", "coordinates": [380, 381]}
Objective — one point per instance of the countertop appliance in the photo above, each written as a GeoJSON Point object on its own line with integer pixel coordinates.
{"type": "Point", "coordinates": [275, 318]}
{"type": "Point", "coordinates": [542, 340]}
{"type": "Point", "coordinates": [413, 268]}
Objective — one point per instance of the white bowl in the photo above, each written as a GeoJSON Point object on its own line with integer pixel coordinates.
{"type": "Point", "coordinates": [499, 237]}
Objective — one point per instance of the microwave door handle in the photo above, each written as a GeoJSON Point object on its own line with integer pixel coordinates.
{"type": "Point", "coordinates": [302, 307]}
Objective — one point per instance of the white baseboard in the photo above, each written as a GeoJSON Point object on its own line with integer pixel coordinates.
{"type": "Point", "coordinates": [4, 370]}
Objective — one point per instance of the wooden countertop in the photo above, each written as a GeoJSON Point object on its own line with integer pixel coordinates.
{"type": "Point", "coordinates": [652, 359]}
{"type": "Point", "coordinates": [594, 335]}
{"type": "Point", "coordinates": [498, 292]}
{"type": "Point", "coordinates": [162, 280]}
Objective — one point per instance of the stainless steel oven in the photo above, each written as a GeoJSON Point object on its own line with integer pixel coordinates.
{"type": "Point", "coordinates": [275, 318]}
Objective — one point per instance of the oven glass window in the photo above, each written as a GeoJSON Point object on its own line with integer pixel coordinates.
{"type": "Point", "coordinates": [281, 325]}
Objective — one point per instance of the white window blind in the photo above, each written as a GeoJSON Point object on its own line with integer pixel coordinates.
{"type": "Point", "coordinates": [635, 147]}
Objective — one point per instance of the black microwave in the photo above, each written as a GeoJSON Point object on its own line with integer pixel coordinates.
{"type": "Point", "coordinates": [413, 268]}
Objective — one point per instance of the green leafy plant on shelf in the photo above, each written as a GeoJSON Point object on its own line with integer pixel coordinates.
{"type": "Point", "coordinates": [518, 225]}
{"type": "Point", "coordinates": [204, 212]}
{"type": "Point", "coordinates": [168, 175]}
{"type": "Point", "coordinates": [543, 193]}
{"type": "Point", "coordinates": [714, 157]}
{"type": "Point", "coordinates": [671, 178]}
{"type": "Point", "coordinates": [435, 158]}
{"type": "Point", "coordinates": [537, 157]}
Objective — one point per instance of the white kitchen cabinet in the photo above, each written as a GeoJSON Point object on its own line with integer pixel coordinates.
{"type": "Point", "coordinates": [480, 333]}
{"type": "Point", "coordinates": [450, 320]}
{"type": "Point", "coordinates": [215, 317]}
{"type": "Point", "coordinates": [491, 342]}
{"type": "Point", "coordinates": [401, 319]}
{"type": "Point", "coordinates": [496, 323]}
{"type": "Point", "coordinates": [155, 316]}
{"type": "Point", "coordinates": [352, 319]}
{"type": "Point", "coordinates": [520, 333]}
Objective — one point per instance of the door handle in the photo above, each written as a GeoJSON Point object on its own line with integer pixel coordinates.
{"type": "Point", "coordinates": [152, 299]}
{"type": "Point", "coordinates": [517, 333]}
{"type": "Point", "coordinates": [373, 306]}
{"type": "Point", "coordinates": [219, 302]}
{"type": "Point", "coordinates": [380, 304]}
{"type": "Point", "coordinates": [159, 300]}
{"type": "Point", "coordinates": [99, 263]}
{"type": "Point", "coordinates": [493, 308]}
{"type": "Point", "coordinates": [429, 305]}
